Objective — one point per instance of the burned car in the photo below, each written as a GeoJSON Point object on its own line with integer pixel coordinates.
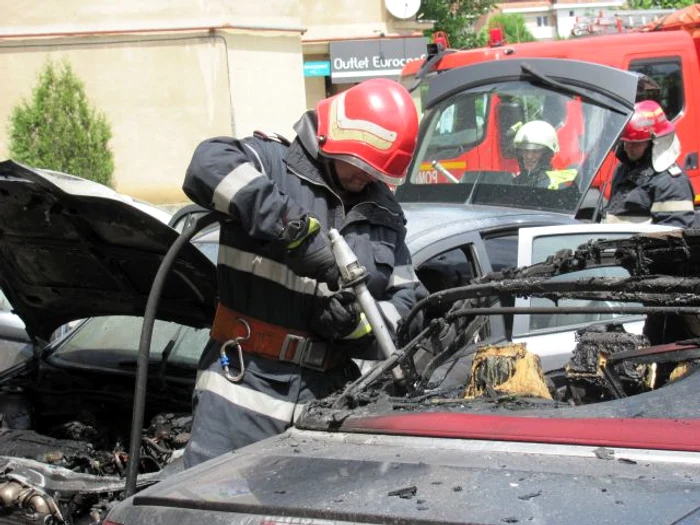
{"type": "Point", "coordinates": [77, 255]}
{"type": "Point", "coordinates": [71, 249]}
{"type": "Point", "coordinates": [608, 438]}
{"type": "Point", "coordinates": [66, 413]}
{"type": "Point", "coordinates": [473, 430]}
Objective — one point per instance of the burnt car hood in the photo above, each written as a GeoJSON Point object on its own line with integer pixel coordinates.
{"type": "Point", "coordinates": [391, 479]}
{"type": "Point", "coordinates": [71, 249]}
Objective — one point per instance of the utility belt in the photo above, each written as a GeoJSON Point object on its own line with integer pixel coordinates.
{"type": "Point", "coordinates": [273, 342]}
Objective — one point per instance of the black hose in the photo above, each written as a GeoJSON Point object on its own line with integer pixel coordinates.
{"type": "Point", "coordinates": [145, 342]}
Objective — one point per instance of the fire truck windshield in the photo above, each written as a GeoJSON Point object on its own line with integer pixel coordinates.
{"type": "Point", "coordinates": [512, 143]}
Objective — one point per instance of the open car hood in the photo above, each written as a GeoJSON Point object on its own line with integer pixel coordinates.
{"type": "Point", "coordinates": [71, 249]}
{"type": "Point", "coordinates": [466, 153]}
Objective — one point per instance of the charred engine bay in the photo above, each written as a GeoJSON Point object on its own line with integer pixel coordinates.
{"type": "Point", "coordinates": [448, 368]}
{"type": "Point", "coordinates": [73, 426]}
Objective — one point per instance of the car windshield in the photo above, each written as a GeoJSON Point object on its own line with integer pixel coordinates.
{"type": "Point", "coordinates": [471, 147]}
{"type": "Point", "coordinates": [112, 342]}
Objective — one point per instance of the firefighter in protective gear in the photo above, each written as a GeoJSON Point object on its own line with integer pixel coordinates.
{"type": "Point", "coordinates": [283, 334]}
{"type": "Point", "coordinates": [648, 186]}
{"type": "Point", "coordinates": [535, 143]}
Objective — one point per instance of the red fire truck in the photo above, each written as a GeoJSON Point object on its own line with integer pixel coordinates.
{"type": "Point", "coordinates": [664, 54]}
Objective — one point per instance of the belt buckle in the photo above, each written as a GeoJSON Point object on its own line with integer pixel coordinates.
{"type": "Point", "coordinates": [299, 351]}
{"type": "Point", "coordinates": [315, 355]}
{"type": "Point", "coordinates": [307, 354]}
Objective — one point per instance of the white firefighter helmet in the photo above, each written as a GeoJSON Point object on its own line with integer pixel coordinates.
{"type": "Point", "coordinates": [536, 134]}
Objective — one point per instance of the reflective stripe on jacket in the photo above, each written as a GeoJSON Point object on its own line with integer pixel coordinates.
{"type": "Point", "coordinates": [639, 194]}
{"type": "Point", "coordinates": [262, 184]}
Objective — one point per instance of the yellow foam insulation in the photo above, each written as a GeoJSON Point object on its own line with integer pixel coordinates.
{"type": "Point", "coordinates": [680, 370]}
{"type": "Point", "coordinates": [508, 369]}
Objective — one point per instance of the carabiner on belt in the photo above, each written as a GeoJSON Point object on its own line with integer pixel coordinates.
{"type": "Point", "coordinates": [223, 357]}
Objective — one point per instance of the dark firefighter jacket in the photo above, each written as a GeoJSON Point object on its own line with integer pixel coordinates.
{"type": "Point", "coordinates": [262, 184]}
{"type": "Point", "coordinates": [639, 194]}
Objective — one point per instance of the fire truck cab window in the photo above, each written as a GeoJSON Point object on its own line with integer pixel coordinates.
{"type": "Point", "coordinates": [463, 121]}
{"type": "Point", "coordinates": [667, 73]}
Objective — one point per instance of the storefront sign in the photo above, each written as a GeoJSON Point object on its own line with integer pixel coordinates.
{"type": "Point", "coordinates": [358, 60]}
{"type": "Point", "coordinates": [321, 68]}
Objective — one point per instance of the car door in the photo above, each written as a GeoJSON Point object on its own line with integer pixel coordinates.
{"type": "Point", "coordinates": [456, 260]}
{"type": "Point", "coordinates": [552, 337]}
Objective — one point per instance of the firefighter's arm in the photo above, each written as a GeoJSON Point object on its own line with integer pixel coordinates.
{"type": "Point", "coordinates": [402, 292]}
{"type": "Point", "coordinates": [673, 200]}
{"type": "Point", "coordinates": [231, 176]}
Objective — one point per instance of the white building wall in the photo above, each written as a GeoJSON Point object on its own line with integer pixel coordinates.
{"type": "Point", "coordinates": [542, 25]}
{"type": "Point", "coordinates": [567, 14]}
{"type": "Point", "coordinates": [540, 21]}
{"type": "Point", "coordinates": [170, 73]}
{"type": "Point", "coordinates": [161, 97]}
{"type": "Point", "coordinates": [167, 74]}
{"type": "Point", "coordinates": [267, 83]}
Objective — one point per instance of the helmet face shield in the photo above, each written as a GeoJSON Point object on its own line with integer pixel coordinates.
{"type": "Point", "coordinates": [650, 125]}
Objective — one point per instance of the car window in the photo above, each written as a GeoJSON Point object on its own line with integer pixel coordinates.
{"type": "Point", "coordinates": [547, 321]}
{"type": "Point", "coordinates": [115, 339]}
{"type": "Point", "coordinates": [463, 122]}
{"type": "Point", "coordinates": [210, 249]}
{"type": "Point", "coordinates": [667, 73]}
{"type": "Point", "coordinates": [545, 246]}
{"type": "Point", "coordinates": [449, 269]}
{"type": "Point", "coordinates": [502, 251]}
{"type": "Point", "coordinates": [4, 303]}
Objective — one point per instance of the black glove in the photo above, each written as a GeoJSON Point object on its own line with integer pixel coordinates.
{"type": "Point", "coordinates": [337, 317]}
{"type": "Point", "coordinates": [309, 253]}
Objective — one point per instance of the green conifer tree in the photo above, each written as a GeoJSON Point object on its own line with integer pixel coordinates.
{"type": "Point", "coordinates": [59, 130]}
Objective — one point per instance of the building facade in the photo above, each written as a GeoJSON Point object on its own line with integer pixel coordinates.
{"type": "Point", "coordinates": [170, 73]}
{"type": "Point", "coordinates": [550, 19]}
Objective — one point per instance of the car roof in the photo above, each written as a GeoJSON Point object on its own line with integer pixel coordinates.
{"type": "Point", "coordinates": [429, 222]}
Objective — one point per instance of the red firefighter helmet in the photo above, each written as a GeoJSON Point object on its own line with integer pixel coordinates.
{"type": "Point", "coordinates": [372, 126]}
{"type": "Point", "coordinates": [648, 122]}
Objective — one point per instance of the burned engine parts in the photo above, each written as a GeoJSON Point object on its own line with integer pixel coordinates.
{"type": "Point", "coordinates": [35, 504]}
{"type": "Point", "coordinates": [595, 375]}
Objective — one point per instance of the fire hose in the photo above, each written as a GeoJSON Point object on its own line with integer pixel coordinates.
{"type": "Point", "coordinates": [353, 275]}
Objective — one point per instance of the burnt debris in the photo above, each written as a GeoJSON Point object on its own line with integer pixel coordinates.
{"type": "Point", "coordinates": [608, 363]}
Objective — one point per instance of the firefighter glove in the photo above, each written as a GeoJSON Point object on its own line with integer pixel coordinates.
{"type": "Point", "coordinates": [309, 252]}
{"type": "Point", "coordinates": [338, 316]}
